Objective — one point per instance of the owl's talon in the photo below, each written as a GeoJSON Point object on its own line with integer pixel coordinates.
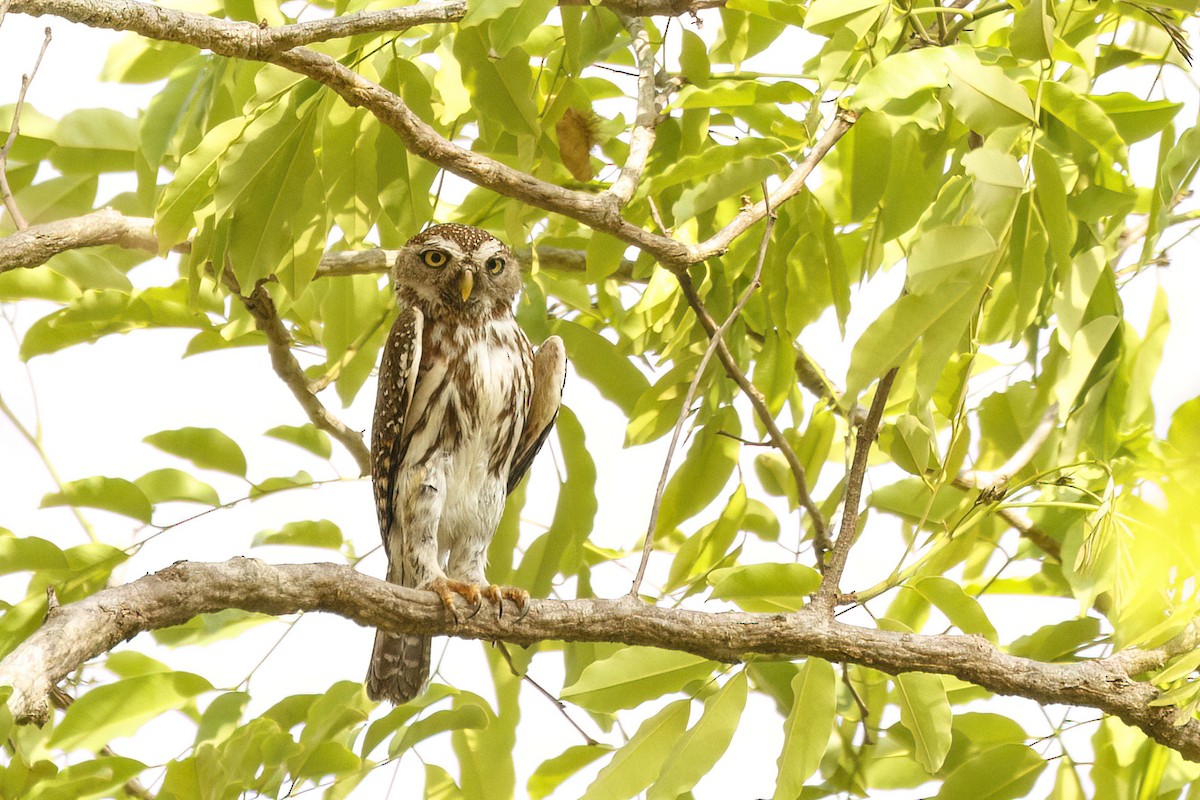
{"type": "Point", "coordinates": [446, 588]}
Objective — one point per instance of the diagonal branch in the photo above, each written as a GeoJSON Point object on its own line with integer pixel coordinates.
{"type": "Point", "coordinates": [827, 594]}
{"type": "Point", "coordinates": [279, 345]}
{"type": "Point", "coordinates": [73, 634]}
{"type": "Point", "coordinates": [14, 128]}
{"type": "Point", "coordinates": [820, 527]}
{"type": "Point", "coordinates": [649, 112]}
{"type": "Point", "coordinates": [719, 242]}
{"type": "Point", "coordinates": [716, 339]}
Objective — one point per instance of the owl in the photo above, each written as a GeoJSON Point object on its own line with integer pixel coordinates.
{"type": "Point", "coordinates": [464, 405]}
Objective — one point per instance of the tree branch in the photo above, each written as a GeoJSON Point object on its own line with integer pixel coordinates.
{"type": "Point", "coordinates": [279, 345]}
{"type": "Point", "coordinates": [820, 527]}
{"type": "Point", "coordinates": [37, 244]}
{"type": "Point", "coordinates": [14, 127]}
{"type": "Point", "coordinates": [827, 594]}
{"type": "Point", "coordinates": [719, 242]}
{"type": "Point", "coordinates": [649, 109]}
{"type": "Point", "coordinates": [716, 339]}
{"type": "Point", "coordinates": [76, 633]}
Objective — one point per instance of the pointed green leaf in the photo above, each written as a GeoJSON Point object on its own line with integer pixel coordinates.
{"type": "Point", "coordinates": [120, 708]}
{"type": "Point", "coordinates": [305, 533]}
{"type": "Point", "coordinates": [1002, 773]}
{"type": "Point", "coordinates": [634, 675]}
{"type": "Point", "coordinates": [207, 448]}
{"type": "Point", "coordinates": [699, 749]}
{"type": "Point", "coordinates": [807, 727]}
{"type": "Point", "coordinates": [162, 485]}
{"type": "Point", "coordinates": [111, 494]}
{"type": "Point", "coordinates": [307, 436]}
{"type": "Point", "coordinates": [635, 765]}
{"type": "Point", "coordinates": [925, 712]}
{"type": "Point", "coordinates": [551, 773]}
{"type": "Point", "coordinates": [767, 588]}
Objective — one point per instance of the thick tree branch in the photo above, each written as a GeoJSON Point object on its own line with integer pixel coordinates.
{"type": "Point", "coordinates": [279, 345]}
{"type": "Point", "coordinates": [392, 20]}
{"type": "Point", "coordinates": [36, 245]}
{"type": "Point", "coordinates": [820, 527]}
{"type": "Point", "coordinates": [241, 40]}
{"type": "Point", "coordinates": [76, 633]}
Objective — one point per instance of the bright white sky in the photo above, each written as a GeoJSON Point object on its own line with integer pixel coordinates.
{"type": "Point", "coordinates": [96, 406]}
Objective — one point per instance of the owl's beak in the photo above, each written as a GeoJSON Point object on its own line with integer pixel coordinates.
{"type": "Point", "coordinates": [466, 282]}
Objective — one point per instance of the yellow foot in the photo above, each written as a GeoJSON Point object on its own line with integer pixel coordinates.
{"type": "Point", "coordinates": [445, 588]}
{"type": "Point", "coordinates": [498, 594]}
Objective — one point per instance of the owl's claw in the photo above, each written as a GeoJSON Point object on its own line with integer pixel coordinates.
{"type": "Point", "coordinates": [498, 594]}
{"type": "Point", "coordinates": [446, 588]}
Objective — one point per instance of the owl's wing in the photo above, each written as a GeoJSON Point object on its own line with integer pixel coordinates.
{"type": "Point", "coordinates": [549, 375]}
{"type": "Point", "coordinates": [397, 381]}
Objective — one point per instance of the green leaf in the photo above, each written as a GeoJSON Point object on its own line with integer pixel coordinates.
{"type": "Point", "coordinates": [440, 785]}
{"type": "Point", "coordinates": [1057, 642]}
{"type": "Point", "coordinates": [634, 675]}
{"type": "Point", "coordinates": [553, 771]}
{"type": "Point", "coordinates": [1002, 773]}
{"type": "Point", "coordinates": [305, 533]}
{"type": "Point", "coordinates": [1136, 119]}
{"type": "Point", "coordinates": [925, 713]}
{"type": "Point", "coordinates": [768, 588]}
{"type": "Point", "coordinates": [1032, 35]}
{"type": "Point", "coordinates": [213, 627]}
{"type": "Point", "coordinates": [1086, 119]}
{"type": "Point", "coordinates": [110, 494]}
{"type": "Point", "coordinates": [635, 765]}
{"type": "Point", "coordinates": [887, 341]}
{"type": "Point", "coordinates": [601, 363]}
{"type": "Point", "coordinates": [122, 707]}
{"type": "Point", "coordinates": [182, 200]}
{"type": "Point", "coordinates": [983, 96]}
{"type": "Point", "coordinates": [807, 727]}
{"type": "Point", "coordinates": [466, 716]}
{"type": "Point", "coordinates": [166, 484]}
{"type": "Point", "coordinates": [207, 448]}
{"type": "Point", "coordinates": [945, 252]}
{"type": "Point", "coordinates": [307, 436]}
{"type": "Point", "coordinates": [704, 472]}
{"type": "Point", "coordinates": [826, 17]}
{"type": "Point", "coordinates": [961, 609]}
{"type": "Point", "coordinates": [701, 747]}
{"type": "Point", "coordinates": [28, 554]}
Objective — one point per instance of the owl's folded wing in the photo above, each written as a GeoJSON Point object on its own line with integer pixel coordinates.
{"type": "Point", "coordinates": [549, 375]}
{"type": "Point", "coordinates": [397, 381]}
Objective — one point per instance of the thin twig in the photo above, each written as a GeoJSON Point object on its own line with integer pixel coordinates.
{"type": "Point", "coordinates": [863, 711]}
{"type": "Point", "coordinates": [820, 527]}
{"type": "Point", "coordinates": [14, 128]}
{"type": "Point", "coordinates": [559, 704]}
{"type": "Point", "coordinates": [992, 482]}
{"type": "Point", "coordinates": [715, 341]}
{"type": "Point", "coordinates": [279, 345]}
{"type": "Point", "coordinates": [827, 595]}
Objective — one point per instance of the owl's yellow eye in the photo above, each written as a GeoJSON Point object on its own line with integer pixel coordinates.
{"type": "Point", "coordinates": [435, 258]}
{"type": "Point", "coordinates": [495, 265]}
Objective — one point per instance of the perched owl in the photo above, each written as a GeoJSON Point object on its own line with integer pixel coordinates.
{"type": "Point", "coordinates": [464, 405]}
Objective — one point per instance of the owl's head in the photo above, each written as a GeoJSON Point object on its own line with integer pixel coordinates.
{"type": "Point", "coordinates": [461, 268]}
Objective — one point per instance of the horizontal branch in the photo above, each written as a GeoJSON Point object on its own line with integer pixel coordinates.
{"type": "Point", "coordinates": [75, 633]}
{"type": "Point", "coordinates": [36, 245]}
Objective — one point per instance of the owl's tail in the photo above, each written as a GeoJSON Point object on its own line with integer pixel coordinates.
{"type": "Point", "coordinates": [399, 667]}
